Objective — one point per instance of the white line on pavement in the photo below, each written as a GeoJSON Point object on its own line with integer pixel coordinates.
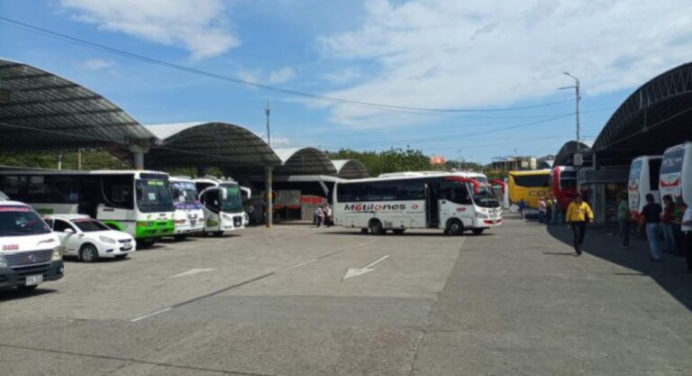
{"type": "Point", "coordinates": [151, 314]}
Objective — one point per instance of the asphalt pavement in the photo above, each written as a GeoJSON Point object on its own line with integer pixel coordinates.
{"type": "Point", "coordinates": [296, 300]}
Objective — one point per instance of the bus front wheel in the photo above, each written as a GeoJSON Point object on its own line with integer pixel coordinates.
{"type": "Point", "coordinates": [375, 227]}
{"type": "Point", "coordinates": [455, 227]}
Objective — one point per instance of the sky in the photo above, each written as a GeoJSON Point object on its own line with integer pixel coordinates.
{"type": "Point", "coordinates": [470, 80]}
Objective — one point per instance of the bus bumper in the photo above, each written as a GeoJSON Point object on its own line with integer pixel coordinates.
{"type": "Point", "coordinates": [16, 276]}
{"type": "Point", "coordinates": [154, 229]}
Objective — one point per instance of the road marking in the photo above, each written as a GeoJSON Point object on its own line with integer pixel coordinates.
{"type": "Point", "coordinates": [191, 272]}
{"type": "Point", "coordinates": [151, 314]}
{"type": "Point", "coordinates": [355, 272]}
{"type": "Point", "coordinates": [338, 250]}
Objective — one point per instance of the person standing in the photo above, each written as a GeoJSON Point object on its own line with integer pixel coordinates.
{"type": "Point", "coordinates": [541, 209]}
{"type": "Point", "coordinates": [679, 211]}
{"type": "Point", "coordinates": [667, 224]}
{"type": "Point", "coordinates": [548, 210]}
{"type": "Point", "coordinates": [320, 216]}
{"type": "Point", "coordinates": [624, 220]}
{"type": "Point", "coordinates": [686, 228]}
{"type": "Point", "coordinates": [328, 221]}
{"type": "Point", "coordinates": [651, 217]}
{"type": "Point", "coordinates": [578, 214]}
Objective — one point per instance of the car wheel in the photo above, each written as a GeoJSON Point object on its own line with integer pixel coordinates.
{"type": "Point", "coordinates": [89, 253]}
{"type": "Point", "coordinates": [145, 243]}
{"type": "Point", "coordinates": [375, 227]}
{"type": "Point", "coordinates": [455, 227]}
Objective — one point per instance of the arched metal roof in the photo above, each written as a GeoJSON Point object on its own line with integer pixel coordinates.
{"type": "Point", "coordinates": [565, 157]}
{"type": "Point", "coordinates": [206, 144]}
{"type": "Point", "coordinates": [304, 161]}
{"type": "Point", "coordinates": [350, 169]}
{"type": "Point", "coordinates": [41, 110]}
{"type": "Point", "coordinates": [655, 116]}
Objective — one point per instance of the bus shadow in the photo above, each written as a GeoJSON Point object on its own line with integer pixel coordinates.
{"type": "Point", "coordinates": [600, 242]}
{"type": "Point", "coordinates": [8, 294]}
{"type": "Point", "coordinates": [437, 234]}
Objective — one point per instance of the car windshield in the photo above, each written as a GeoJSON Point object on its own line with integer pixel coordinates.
{"type": "Point", "coordinates": [234, 201]}
{"type": "Point", "coordinates": [153, 195]}
{"type": "Point", "coordinates": [21, 220]}
{"type": "Point", "coordinates": [89, 225]}
{"type": "Point", "coordinates": [485, 198]}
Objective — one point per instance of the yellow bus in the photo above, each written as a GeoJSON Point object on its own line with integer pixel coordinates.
{"type": "Point", "coordinates": [529, 186]}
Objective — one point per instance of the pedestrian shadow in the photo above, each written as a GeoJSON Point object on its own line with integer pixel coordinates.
{"type": "Point", "coordinates": [600, 242]}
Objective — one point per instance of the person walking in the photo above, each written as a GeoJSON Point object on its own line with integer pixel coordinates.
{"type": "Point", "coordinates": [667, 224]}
{"type": "Point", "coordinates": [522, 208]}
{"type": "Point", "coordinates": [624, 220]}
{"type": "Point", "coordinates": [679, 211]}
{"type": "Point", "coordinates": [541, 209]}
{"type": "Point", "coordinates": [651, 218]}
{"type": "Point", "coordinates": [686, 228]}
{"type": "Point", "coordinates": [578, 214]}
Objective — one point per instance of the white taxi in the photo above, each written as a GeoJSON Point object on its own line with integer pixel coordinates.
{"type": "Point", "coordinates": [90, 239]}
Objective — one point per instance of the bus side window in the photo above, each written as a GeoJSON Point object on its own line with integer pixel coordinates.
{"type": "Point", "coordinates": [118, 191]}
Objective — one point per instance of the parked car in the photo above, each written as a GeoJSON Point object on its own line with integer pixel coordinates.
{"type": "Point", "coordinates": [89, 239]}
{"type": "Point", "coordinates": [30, 253]}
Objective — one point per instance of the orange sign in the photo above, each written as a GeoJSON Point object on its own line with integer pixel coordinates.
{"type": "Point", "coordinates": [437, 160]}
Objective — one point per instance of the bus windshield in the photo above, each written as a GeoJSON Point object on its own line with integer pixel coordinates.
{"type": "Point", "coordinates": [20, 221]}
{"type": "Point", "coordinates": [234, 201]}
{"type": "Point", "coordinates": [485, 198]}
{"type": "Point", "coordinates": [153, 195]}
{"type": "Point", "coordinates": [183, 192]}
{"type": "Point", "coordinates": [672, 161]}
{"type": "Point", "coordinates": [636, 169]}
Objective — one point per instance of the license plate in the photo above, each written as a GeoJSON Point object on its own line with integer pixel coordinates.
{"type": "Point", "coordinates": [32, 280]}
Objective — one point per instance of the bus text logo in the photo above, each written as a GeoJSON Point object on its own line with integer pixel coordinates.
{"type": "Point", "coordinates": [374, 207]}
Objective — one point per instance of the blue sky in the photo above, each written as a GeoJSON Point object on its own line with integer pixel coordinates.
{"type": "Point", "coordinates": [417, 53]}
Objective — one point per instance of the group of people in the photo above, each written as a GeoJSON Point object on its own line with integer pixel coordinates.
{"type": "Point", "coordinates": [323, 216]}
{"type": "Point", "coordinates": [673, 220]}
{"type": "Point", "coordinates": [549, 210]}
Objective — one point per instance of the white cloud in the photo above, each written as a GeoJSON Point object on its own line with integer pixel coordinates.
{"type": "Point", "coordinates": [441, 54]}
{"type": "Point", "coordinates": [278, 76]}
{"type": "Point", "coordinates": [343, 76]}
{"type": "Point", "coordinates": [198, 26]}
{"type": "Point", "coordinates": [96, 64]}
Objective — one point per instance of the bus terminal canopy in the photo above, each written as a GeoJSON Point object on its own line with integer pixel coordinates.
{"type": "Point", "coordinates": [350, 169]}
{"type": "Point", "coordinates": [205, 144]}
{"type": "Point", "coordinates": [40, 111]}
{"type": "Point", "coordinates": [656, 116]}
{"type": "Point", "coordinates": [304, 161]}
{"type": "Point", "coordinates": [565, 157]}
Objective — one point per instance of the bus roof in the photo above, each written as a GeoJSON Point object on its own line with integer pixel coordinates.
{"type": "Point", "coordinates": [531, 172]}
{"type": "Point", "coordinates": [437, 174]}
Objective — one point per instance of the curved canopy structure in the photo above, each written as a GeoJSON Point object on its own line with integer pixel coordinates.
{"type": "Point", "coordinates": [40, 110]}
{"type": "Point", "coordinates": [654, 117]}
{"type": "Point", "coordinates": [350, 169]}
{"type": "Point", "coordinates": [565, 157]}
{"type": "Point", "coordinates": [304, 161]}
{"type": "Point", "coordinates": [205, 144]}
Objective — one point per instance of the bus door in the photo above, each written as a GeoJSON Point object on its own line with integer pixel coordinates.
{"type": "Point", "coordinates": [432, 206]}
{"type": "Point", "coordinates": [211, 205]}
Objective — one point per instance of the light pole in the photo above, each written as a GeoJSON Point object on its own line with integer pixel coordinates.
{"type": "Point", "coordinates": [577, 99]}
{"type": "Point", "coordinates": [268, 111]}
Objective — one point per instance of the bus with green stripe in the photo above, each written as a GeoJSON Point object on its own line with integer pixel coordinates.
{"type": "Point", "coordinates": [136, 202]}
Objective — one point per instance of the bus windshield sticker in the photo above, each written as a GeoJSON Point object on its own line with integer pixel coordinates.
{"type": "Point", "coordinates": [155, 182]}
{"type": "Point", "coordinates": [152, 196]}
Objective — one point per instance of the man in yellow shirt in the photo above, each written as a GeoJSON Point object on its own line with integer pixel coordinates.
{"type": "Point", "coordinates": [578, 214]}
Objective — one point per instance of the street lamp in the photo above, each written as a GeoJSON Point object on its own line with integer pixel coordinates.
{"type": "Point", "coordinates": [577, 97]}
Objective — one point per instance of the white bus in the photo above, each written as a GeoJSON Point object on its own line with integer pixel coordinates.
{"type": "Point", "coordinates": [222, 203]}
{"type": "Point", "coordinates": [189, 216]}
{"type": "Point", "coordinates": [676, 172]}
{"type": "Point", "coordinates": [643, 179]}
{"type": "Point", "coordinates": [443, 200]}
{"type": "Point", "coordinates": [137, 202]}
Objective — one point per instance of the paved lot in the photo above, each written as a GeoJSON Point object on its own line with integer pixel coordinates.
{"type": "Point", "coordinates": [274, 302]}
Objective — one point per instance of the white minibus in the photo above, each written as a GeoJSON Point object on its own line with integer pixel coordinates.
{"type": "Point", "coordinates": [643, 179]}
{"type": "Point", "coordinates": [676, 172]}
{"type": "Point", "coordinates": [442, 200]}
{"type": "Point", "coordinates": [222, 204]}
{"type": "Point", "coordinates": [189, 216]}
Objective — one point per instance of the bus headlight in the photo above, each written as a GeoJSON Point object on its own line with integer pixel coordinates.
{"type": "Point", "coordinates": [57, 253]}
{"type": "Point", "coordinates": [3, 263]}
{"type": "Point", "coordinates": [107, 240]}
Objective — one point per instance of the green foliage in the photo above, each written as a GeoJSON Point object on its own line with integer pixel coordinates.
{"type": "Point", "coordinates": [91, 160]}
{"type": "Point", "coordinates": [392, 160]}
